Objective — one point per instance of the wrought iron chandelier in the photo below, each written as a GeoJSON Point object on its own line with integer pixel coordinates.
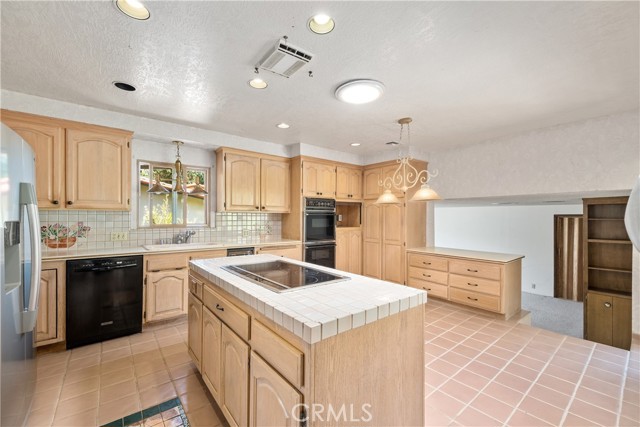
{"type": "Point", "coordinates": [406, 176]}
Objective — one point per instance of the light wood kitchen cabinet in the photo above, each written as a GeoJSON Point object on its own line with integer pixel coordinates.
{"type": "Point", "coordinates": [211, 365]}
{"type": "Point", "coordinates": [349, 250]}
{"type": "Point", "coordinates": [51, 305]}
{"type": "Point", "coordinates": [287, 251]}
{"type": "Point", "coordinates": [250, 182]}
{"type": "Point", "coordinates": [372, 240]}
{"type": "Point", "coordinates": [374, 175]}
{"type": "Point", "coordinates": [613, 314]}
{"type": "Point", "coordinates": [235, 378]}
{"type": "Point", "coordinates": [166, 285]}
{"type": "Point", "coordinates": [271, 397]}
{"type": "Point", "coordinates": [318, 179]}
{"type": "Point", "coordinates": [348, 183]}
{"type": "Point", "coordinates": [194, 313]}
{"type": "Point", "coordinates": [78, 166]}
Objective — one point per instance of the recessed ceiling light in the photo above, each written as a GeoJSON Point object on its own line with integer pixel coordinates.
{"type": "Point", "coordinates": [258, 83]}
{"type": "Point", "coordinates": [359, 91]}
{"type": "Point", "coordinates": [133, 9]}
{"type": "Point", "coordinates": [321, 24]}
{"type": "Point", "coordinates": [124, 86]}
{"type": "Point", "coordinates": [283, 125]}
{"type": "Point", "coordinates": [355, 144]}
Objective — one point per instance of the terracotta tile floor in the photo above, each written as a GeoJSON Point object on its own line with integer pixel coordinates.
{"type": "Point", "coordinates": [100, 383]}
{"type": "Point", "coordinates": [480, 371]}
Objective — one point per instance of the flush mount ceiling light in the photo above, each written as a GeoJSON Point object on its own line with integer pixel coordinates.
{"type": "Point", "coordinates": [321, 24]}
{"type": "Point", "coordinates": [258, 83]}
{"type": "Point", "coordinates": [406, 176]}
{"type": "Point", "coordinates": [124, 86]}
{"type": "Point", "coordinates": [355, 144]}
{"type": "Point", "coordinates": [359, 91]}
{"type": "Point", "coordinates": [133, 9]}
{"type": "Point", "coordinates": [283, 125]}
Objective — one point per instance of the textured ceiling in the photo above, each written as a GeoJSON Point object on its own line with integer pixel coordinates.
{"type": "Point", "coordinates": [465, 71]}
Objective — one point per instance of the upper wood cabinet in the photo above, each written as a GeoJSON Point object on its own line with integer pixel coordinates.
{"type": "Point", "coordinates": [78, 166]}
{"type": "Point", "coordinates": [348, 183]}
{"type": "Point", "coordinates": [250, 182]}
{"type": "Point", "coordinates": [318, 179]}
{"type": "Point", "coordinates": [373, 176]}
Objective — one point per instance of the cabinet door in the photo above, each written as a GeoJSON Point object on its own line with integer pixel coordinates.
{"type": "Point", "coordinates": [98, 170]}
{"type": "Point", "coordinates": [342, 250]}
{"type": "Point", "coordinates": [275, 186]}
{"type": "Point", "coordinates": [327, 181]}
{"type": "Point", "coordinates": [372, 241]}
{"type": "Point", "coordinates": [355, 184]}
{"type": "Point", "coordinates": [621, 322]}
{"type": "Point", "coordinates": [393, 266]}
{"type": "Point", "coordinates": [195, 329]}
{"type": "Point", "coordinates": [343, 181]}
{"type": "Point", "coordinates": [355, 251]}
{"type": "Point", "coordinates": [599, 312]}
{"type": "Point", "coordinates": [166, 294]}
{"type": "Point", "coordinates": [235, 378]}
{"type": "Point", "coordinates": [242, 183]}
{"type": "Point", "coordinates": [371, 180]}
{"type": "Point", "coordinates": [47, 321]}
{"type": "Point", "coordinates": [273, 400]}
{"type": "Point", "coordinates": [310, 177]}
{"type": "Point", "coordinates": [47, 142]}
{"type": "Point", "coordinates": [211, 364]}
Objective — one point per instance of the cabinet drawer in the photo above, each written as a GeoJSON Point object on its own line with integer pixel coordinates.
{"type": "Point", "coordinates": [285, 358]}
{"type": "Point", "coordinates": [474, 284]}
{"type": "Point", "coordinates": [475, 299]}
{"type": "Point", "coordinates": [433, 289]}
{"type": "Point", "coordinates": [290, 251]}
{"type": "Point", "coordinates": [426, 261]}
{"type": "Point", "coordinates": [195, 287]}
{"type": "Point", "coordinates": [235, 318]}
{"type": "Point", "coordinates": [475, 269]}
{"type": "Point", "coordinates": [166, 262]}
{"type": "Point", "coordinates": [428, 275]}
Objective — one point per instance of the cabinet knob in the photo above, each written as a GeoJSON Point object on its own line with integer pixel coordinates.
{"type": "Point", "coordinates": [257, 207]}
{"type": "Point", "coordinates": [607, 304]}
{"type": "Point", "coordinates": [263, 208]}
{"type": "Point", "coordinates": [69, 202]}
{"type": "Point", "coordinates": [55, 202]}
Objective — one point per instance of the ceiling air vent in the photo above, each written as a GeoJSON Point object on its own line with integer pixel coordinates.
{"type": "Point", "coordinates": [285, 59]}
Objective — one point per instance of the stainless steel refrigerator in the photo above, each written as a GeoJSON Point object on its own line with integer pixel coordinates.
{"type": "Point", "coordinates": [20, 273]}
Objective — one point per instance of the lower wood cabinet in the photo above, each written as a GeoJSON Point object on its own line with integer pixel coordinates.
{"type": "Point", "coordinates": [287, 251]}
{"type": "Point", "coordinates": [166, 294]}
{"type": "Point", "coordinates": [211, 343]}
{"type": "Point", "coordinates": [349, 250]}
{"type": "Point", "coordinates": [51, 305]}
{"type": "Point", "coordinates": [194, 340]}
{"type": "Point", "coordinates": [608, 319]}
{"type": "Point", "coordinates": [272, 398]}
{"type": "Point", "coordinates": [235, 378]}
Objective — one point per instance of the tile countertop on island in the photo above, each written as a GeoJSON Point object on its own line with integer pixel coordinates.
{"type": "Point", "coordinates": [463, 253]}
{"type": "Point", "coordinates": [74, 253]}
{"type": "Point", "coordinates": [317, 312]}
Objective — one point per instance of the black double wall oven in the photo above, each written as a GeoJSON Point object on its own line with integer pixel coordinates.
{"type": "Point", "coordinates": [320, 232]}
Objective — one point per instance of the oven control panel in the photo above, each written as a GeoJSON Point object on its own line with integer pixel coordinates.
{"type": "Point", "coordinates": [320, 204]}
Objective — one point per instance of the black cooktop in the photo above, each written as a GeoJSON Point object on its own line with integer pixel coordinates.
{"type": "Point", "coordinates": [282, 276]}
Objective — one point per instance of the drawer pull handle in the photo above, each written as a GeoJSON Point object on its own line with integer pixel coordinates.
{"type": "Point", "coordinates": [472, 284]}
{"type": "Point", "coordinates": [472, 271]}
{"type": "Point", "coordinates": [472, 299]}
{"type": "Point", "coordinates": [219, 307]}
{"type": "Point", "coordinates": [55, 202]}
{"type": "Point", "coordinates": [426, 263]}
{"type": "Point", "coordinates": [607, 304]}
{"type": "Point", "coordinates": [426, 289]}
{"type": "Point", "coordinates": [426, 275]}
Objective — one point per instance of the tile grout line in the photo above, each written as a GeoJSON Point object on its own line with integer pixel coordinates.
{"type": "Point", "coordinates": [572, 397]}
{"type": "Point", "coordinates": [624, 383]}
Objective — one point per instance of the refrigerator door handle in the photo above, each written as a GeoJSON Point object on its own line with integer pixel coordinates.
{"type": "Point", "coordinates": [28, 198]}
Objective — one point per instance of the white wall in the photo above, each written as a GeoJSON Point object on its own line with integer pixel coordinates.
{"type": "Point", "coordinates": [593, 155]}
{"type": "Point", "coordinates": [523, 230]}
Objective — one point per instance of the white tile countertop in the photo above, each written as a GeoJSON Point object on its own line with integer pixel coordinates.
{"type": "Point", "coordinates": [73, 253]}
{"type": "Point", "coordinates": [317, 312]}
{"type": "Point", "coordinates": [463, 253]}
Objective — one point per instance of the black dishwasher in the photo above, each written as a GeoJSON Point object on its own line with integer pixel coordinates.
{"type": "Point", "coordinates": [104, 299]}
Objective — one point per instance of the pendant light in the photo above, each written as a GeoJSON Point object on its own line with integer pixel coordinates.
{"type": "Point", "coordinates": [198, 190]}
{"type": "Point", "coordinates": [180, 187]}
{"type": "Point", "coordinates": [406, 176]}
{"type": "Point", "coordinates": [158, 188]}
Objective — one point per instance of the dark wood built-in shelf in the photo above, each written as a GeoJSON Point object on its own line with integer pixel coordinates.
{"type": "Point", "coordinates": [617, 270]}
{"type": "Point", "coordinates": [611, 241]}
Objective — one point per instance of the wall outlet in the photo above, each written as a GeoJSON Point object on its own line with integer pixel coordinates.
{"type": "Point", "coordinates": [119, 236]}
{"type": "Point", "coordinates": [246, 233]}
{"type": "Point", "coordinates": [533, 286]}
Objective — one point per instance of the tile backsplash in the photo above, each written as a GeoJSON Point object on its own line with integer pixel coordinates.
{"type": "Point", "coordinates": [229, 227]}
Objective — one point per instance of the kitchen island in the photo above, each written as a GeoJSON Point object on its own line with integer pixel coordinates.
{"type": "Point", "coordinates": [348, 352]}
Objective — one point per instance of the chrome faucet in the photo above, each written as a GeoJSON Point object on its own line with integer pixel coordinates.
{"type": "Point", "coordinates": [183, 238]}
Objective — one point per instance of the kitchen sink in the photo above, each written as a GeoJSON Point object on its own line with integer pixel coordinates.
{"type": "Point", "coordinates": [184, 246]}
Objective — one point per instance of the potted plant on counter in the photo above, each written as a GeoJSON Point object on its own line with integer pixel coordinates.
{"type": "Point", "coordinates": [58, 236]}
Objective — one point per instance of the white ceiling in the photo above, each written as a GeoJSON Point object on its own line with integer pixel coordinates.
{"type": "Point", "coordinates": [465, 71]}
